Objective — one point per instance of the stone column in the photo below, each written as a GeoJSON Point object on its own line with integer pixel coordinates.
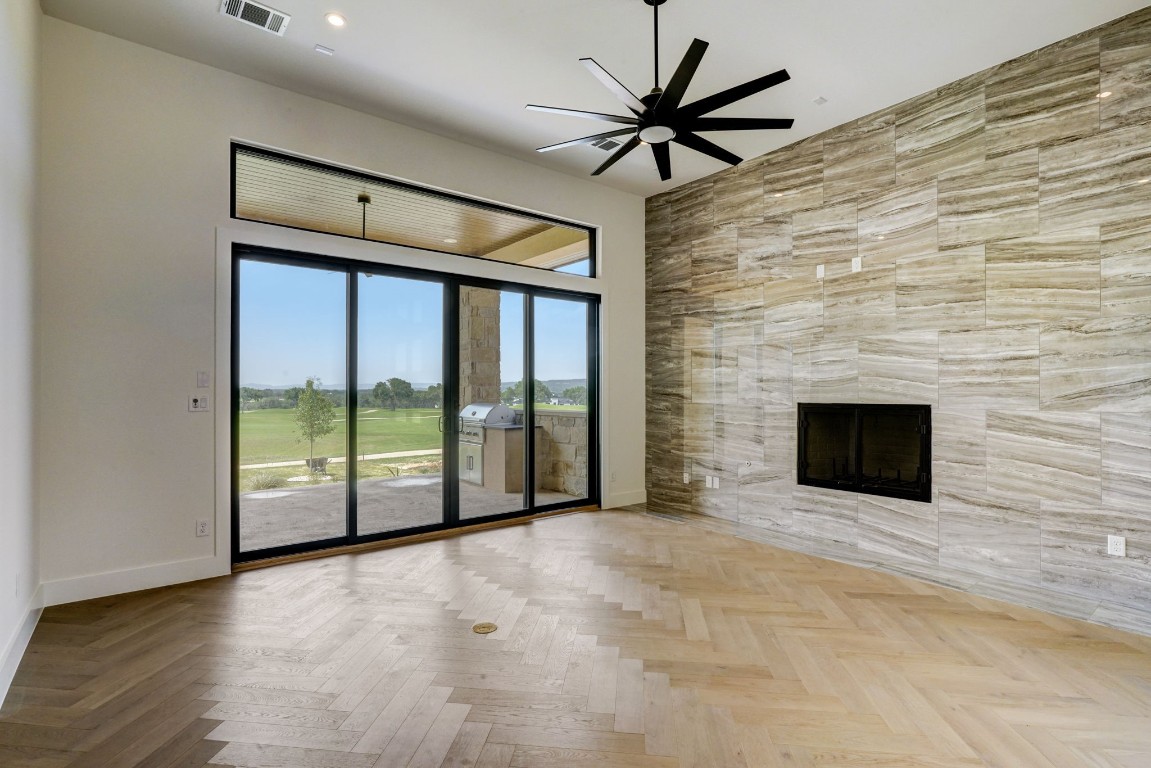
{"type": "Point", "coordinates": [479, 345]}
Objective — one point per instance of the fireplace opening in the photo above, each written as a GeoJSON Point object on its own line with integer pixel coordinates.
{"type": "Point", "coordinates": [884, 450]}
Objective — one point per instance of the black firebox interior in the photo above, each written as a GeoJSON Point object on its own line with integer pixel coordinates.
{"type": "Point", "coordinates": [884, 450]}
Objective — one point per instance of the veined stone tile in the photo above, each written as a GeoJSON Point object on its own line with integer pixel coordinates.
{"type": "Point", "coordinates": [1125, 71]}
{"type": "Point", "coordinates": [657, 224]}
{"type": "Point", "coordinates": [779, 440]}
{"type": "Point", "coordinates": [995, 200]}
{"type": "Point", "coordinates": [793, 178]}
{"type": "Point", "coordinates": [859, 158]}
{"type": "Point", "coordinates": [903, 368]}
{"type": "Point", "coordinates": [1044, 278]}
{"type": "Point", "coordinates": [990, 534]}
{"type": "Point", "coordinates": [941, 291]}
{"type": "Point", "coordinates": [699, 331]}
{"type": "Point", "coordinates": [792, 305]}
{"type": "Point", "coordinates": [1075, 552]}
{"type": "Point", "coordinates": [825, 370]}
{"type": "Point", "coordinates": [714, 376]}
{"type": "Point", "coordinates": [1095, 180]}
{"type": "Point", "coordinates": [1122, 617]}
{"type": "Point", "coordinates": [1125, 284]}
{"type": "Point", "coordinates": [1043, 97]}
{"type": "Point", "coordinates": [692, 211]}
{"type": "Point", "coordinates": [699, 431]}
{"type": "Point", "coordinates": [1126, 267]}
{"type": "Point", "coordinates": [1096, 365]}
{"type": "Point", "coordinates": [670, 268]}
{"type": "Point", "coordinates": [1126, 460]}
{"type": "Point", "coordinates": [901, 223]}
{"type": "Point", "coordinates": [959, 451]}
{"type": "Point", "coordinates": [739, 434]}
{"type": "Point", "coordinates": [1050, 456]}
{"type": "Point", "coordinates": [824, 236]}
{"type": "Point", "coordinates": [764, 251]}
{"type": "Point", "coordinates": [739, 316]}
{"type": "Point", "coordinates": [826, 515]}
{"type": "Point", "coordinates": [721, 502]}
{"type": "Point", "coordinates": [714, 263]}
{"type": "Point", "coordinates": [897, 529]}
{"type": "Point", "coordinates": [1035, 596]}
{"type": "Point", "coordinates": [994, 368]}
{"type": "Point", "coordinates": [765, 501]}
{"type": "Point", "coordinates": [939, 131]}
{"type": "Point", "coordinates": [738, 195]}
{"type": "Point", "coordinates": [765, 373]}
{"type": "Point", "coordinates": [861, 303]}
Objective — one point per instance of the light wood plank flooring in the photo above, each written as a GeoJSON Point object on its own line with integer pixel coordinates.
{"type": "Point", "coordinates": [624, 640]}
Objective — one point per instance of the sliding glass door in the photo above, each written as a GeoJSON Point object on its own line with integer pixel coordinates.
{"type": "Point", "coordinates": [370, 402]}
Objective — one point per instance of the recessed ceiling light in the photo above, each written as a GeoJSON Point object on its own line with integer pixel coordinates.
{"type": "Point", "coordinates": [450, 240]}
{"type": "Point", "coordinates": [819, 101]}
{"type": "Point", "coordinates": [336, 20]}
{"type": "Point", "coordinates": [1103, 95]}
{"type": "Point", "coordinates": [325, 50]}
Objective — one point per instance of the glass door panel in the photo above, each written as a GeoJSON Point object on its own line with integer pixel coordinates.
{"type": "Point", "coordinates": [561, 399]}
{"type": "Point", "coordinates": [491, 381]}
{"type": "Point", "coordinates": [291, 424]}
{"type": "Point", "coordinates": [399, 439]}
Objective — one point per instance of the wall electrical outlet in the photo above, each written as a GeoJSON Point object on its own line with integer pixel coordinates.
{"type": "Point", "coordinates": [819, 272]}
{"type": "Point", "coordinates": [715, 482]}
{"type": "Point", "coordinates": [202, 528]}
{"type": "Point", "coordinates": [856, 263]}
{"type": "Point", "coordinates": [198, 404]}
{"type": "Point", "coordinates": [1117, 546]}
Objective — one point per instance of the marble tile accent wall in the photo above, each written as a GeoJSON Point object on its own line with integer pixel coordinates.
{"type": "Point", "coordinates": [1003, 223]}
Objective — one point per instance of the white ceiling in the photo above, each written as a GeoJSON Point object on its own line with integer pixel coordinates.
{"type": "Point", "coordinates": [465, 68]}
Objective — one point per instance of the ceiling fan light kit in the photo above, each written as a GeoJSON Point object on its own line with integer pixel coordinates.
{"type": "Point", "coordinates": [658, 118]}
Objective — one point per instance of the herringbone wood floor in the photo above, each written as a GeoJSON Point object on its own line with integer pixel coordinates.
{"type": "Point", "coordinates": [624, 640]}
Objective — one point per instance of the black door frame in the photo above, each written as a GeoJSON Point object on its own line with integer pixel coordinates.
{"type": "Point", "coordinates": [451, 284]}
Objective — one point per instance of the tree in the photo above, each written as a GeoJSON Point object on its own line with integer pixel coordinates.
{"type": "Point", "coordinates": [292, 396]}
{"type": "Point", "coordinates": [315, 416]}
{"type": "Point", "coordinates": [543, 393]}
{"type": "Point", "coordinates": [249, 395]}
{"type": "Point", "coordinates": [577, 395]}
{"type": "Point", "coordinates": [402, 392]}
{"type": "Point", "coordinates": [383, 395]}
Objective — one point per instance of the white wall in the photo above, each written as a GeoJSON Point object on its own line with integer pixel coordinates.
{"type": "Point", "coordinates": [134, 183]}
{"type": "Point", "coordinates": [19, 20]}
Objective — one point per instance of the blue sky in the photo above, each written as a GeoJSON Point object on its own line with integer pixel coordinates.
{"type": "Point", "coordinates": [292, 327]}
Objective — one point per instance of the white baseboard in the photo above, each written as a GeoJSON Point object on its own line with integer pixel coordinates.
{"type": "Point", "coordinates": [17, 644]}
{"type": "Point", "coordinates": [118, 582]}
{"type": "Point", "coordinates": [623, 498]}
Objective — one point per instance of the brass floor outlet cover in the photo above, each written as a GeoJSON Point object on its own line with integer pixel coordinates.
{"type": "Point", "coordinates": [484, 628]}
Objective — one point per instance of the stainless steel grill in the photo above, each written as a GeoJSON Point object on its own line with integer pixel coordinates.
{"type": "Point", "coordinates": [475, 418]}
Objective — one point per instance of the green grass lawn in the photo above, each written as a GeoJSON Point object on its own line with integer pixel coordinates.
{"type": "Point", "coordinates": [270, 435]}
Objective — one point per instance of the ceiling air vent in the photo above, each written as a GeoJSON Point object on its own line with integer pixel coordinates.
{"type": "Point", "coordinates": [257, 15]}
{"type": "Point", "coordinates": [607, 145]}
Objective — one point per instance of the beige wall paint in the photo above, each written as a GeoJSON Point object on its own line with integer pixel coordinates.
{"type": "Point", "coordinates": [1002, 222]}
{"type": "Point", "coordinates": [134, 184]}
{"type": "Point", "coordinates": [19, 20]}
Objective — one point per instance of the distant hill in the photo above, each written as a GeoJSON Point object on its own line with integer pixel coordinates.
{"type": "Point", "coordinates": [555, 385]}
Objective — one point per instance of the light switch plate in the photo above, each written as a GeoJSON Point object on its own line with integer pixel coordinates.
{"type": "Point", "coordinates": [819, 272]}
{"type": "Point", "coordinates": [856, 263]}
{"type": "Point", "coordinates": [203, 379]}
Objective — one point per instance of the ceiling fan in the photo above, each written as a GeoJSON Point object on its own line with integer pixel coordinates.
{"type": "Point", "coordinates": [658, 118]}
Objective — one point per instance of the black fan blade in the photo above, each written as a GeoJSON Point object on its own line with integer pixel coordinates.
{"type": "Point", "coordinates": [630, 100]}
{"type": "Point", "coordinates": [691, 141]}
{"type": "Point", "coordinates": [677, 86]}
{"type": "Point", "coordinates": [732, 95]}
{"type": "Point", "coordinates": [586, 139]}
{"type": "Point", "coordinates": [738, 123]}
{"type": "Point", "coordinates": [631, 144]}
{"type": "Point", "coordinates": [662, 154]}
{"type": "Point", "coordinates": [580, 113]}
